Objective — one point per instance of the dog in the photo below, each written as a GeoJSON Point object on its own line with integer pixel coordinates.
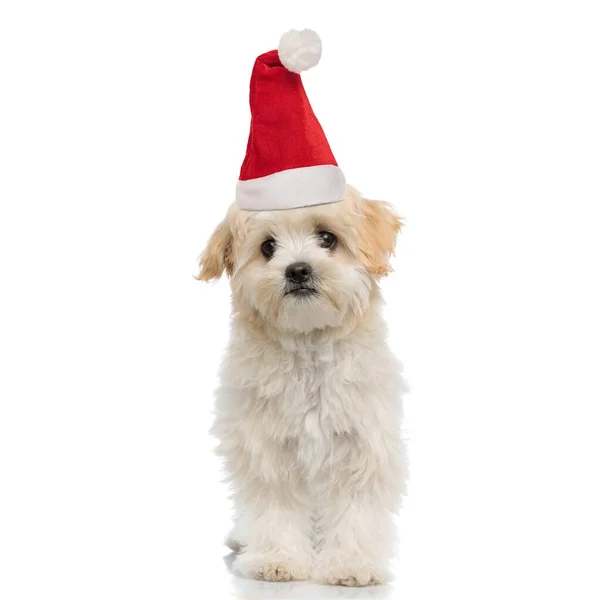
{"type": "Point", "coordinates": [308, 408]}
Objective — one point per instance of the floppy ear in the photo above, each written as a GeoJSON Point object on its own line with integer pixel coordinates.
{"type": "Point", "coordinates": [218, 255]}
{"type": "Point", "coordinates": [377, 235]}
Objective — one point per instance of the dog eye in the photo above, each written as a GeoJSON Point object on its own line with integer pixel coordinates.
{"type": "Point", "coordinates": [268, 248]}
{"type": "Point", "coordinates": [327, 239]}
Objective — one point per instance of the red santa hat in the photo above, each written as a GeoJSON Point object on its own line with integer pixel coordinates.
{"type": "Point", "coordinates": [288, 162]}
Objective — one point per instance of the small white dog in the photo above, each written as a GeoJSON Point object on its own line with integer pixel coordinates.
{"type": "Point", "coordinates": [308, 409]}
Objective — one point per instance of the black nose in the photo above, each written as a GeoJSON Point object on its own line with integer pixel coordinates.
{"type": "Point", "coordinates": [298, 272]}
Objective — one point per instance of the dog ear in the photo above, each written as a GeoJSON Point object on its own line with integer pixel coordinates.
{"type": "Point", "coordinates": [377, 235]}
{"type": "Point", "coordinates": [218, 255]}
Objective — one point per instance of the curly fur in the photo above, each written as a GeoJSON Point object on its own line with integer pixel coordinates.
{"type": "Point", "coordinates": [308, 409]}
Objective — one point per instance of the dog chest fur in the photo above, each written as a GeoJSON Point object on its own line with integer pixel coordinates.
{"type": "Point", "coordinates": [306, 394]}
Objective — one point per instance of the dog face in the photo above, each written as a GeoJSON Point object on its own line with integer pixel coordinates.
{"type": "Point", "coordinates": [307, 268]}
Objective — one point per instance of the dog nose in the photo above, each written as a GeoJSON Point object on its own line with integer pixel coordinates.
{"type": "Point", "coordinates": [298, 272]}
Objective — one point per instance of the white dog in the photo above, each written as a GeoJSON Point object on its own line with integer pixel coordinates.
{"type": "Point", "coordinates": [308, 409]}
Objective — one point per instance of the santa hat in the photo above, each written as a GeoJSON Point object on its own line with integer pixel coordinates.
{"type": "Point", "coordinates": [288, 162]}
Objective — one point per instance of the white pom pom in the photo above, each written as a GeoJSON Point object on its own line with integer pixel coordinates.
{"type": "Point", "coordinates": [299, 50]}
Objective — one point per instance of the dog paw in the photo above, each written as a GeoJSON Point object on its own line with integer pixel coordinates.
{"type": "Point", "coordinates": [350, 576]}
{"type": "Point", "coordinates": [267, 569]}
{"type": "Point", "coordinates": [282, 572]}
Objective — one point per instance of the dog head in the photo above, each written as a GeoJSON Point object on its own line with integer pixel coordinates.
{"type": "Point", "coordinates": [307, 268]}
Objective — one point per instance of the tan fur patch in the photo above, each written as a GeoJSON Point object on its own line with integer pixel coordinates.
{"type": "Point", "coordinates": [218, 255]}
{"type": "Point", "coordinates": [377, 235]}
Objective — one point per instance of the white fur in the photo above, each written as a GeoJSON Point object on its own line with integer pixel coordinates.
{"type": "Point", "coordinates": [299, 50]}
{"type": "Point", "coordinates": [308, 410]}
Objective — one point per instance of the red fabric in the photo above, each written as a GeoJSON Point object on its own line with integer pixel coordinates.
{"type": "Point", "coordinates": [284, 132]}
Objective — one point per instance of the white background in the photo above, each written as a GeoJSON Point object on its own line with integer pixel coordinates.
{"type": "Point", "coordinates": [122, 128]}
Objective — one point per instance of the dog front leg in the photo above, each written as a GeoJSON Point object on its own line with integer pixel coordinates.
{"type": "Point", "coordinates": [273, 515]}
{"type": "Point", "coordinates": [360, 493]}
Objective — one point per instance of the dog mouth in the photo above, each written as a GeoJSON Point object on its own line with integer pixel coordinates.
{"type": "Point", "coordinates": [301, 291]}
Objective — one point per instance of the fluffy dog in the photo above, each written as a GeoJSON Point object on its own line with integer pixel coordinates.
{"type": "Point", "coordinates": [308, 409]}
